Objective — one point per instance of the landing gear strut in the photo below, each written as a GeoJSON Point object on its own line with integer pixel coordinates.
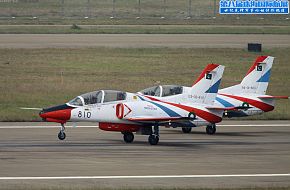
{"type": "Point", "coordinates": [211, 129]}
{"type": "Point", "coordinates": [128, 137]}
{"type": "Point", "coordinates": [61, 135]}
{"type": "Point", "coordinates": [186, 129]}
{"type": "Point", "coordinates": [153, 139]}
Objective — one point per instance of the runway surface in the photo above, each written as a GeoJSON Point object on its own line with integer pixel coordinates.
{"type": "Point", "coordinates": [241, 154]}
{"type": "Point", "coordinates": [141, 40]}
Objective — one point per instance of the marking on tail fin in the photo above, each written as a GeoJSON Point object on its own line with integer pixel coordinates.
{"type": "Point", "coordinates": [209, 68]}
{"type": "Point", "coordinates": [214, 88]}
{"type": "Point", "coordinates": [258, 60]}
{"type": "Point", "coordinates": [265, 77]}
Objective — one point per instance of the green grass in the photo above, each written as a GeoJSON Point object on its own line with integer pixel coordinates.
{"type": "Point", "coordinates": [32, 77]}
{"type": "Point", "coordinates": [142, 29]}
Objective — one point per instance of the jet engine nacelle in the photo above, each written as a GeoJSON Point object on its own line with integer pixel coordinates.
{"type": "Point", "coordinates": [119, 127]}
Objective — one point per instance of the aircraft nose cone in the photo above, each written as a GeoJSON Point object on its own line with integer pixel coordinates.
{"type": "Point", "coordinates": [59, 114]}
{"type": "Point", "coordinates": [41, 114]}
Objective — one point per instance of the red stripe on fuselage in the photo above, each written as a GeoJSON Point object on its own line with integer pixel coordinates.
{"type": "Point", "coordinates": [210, 117]}
{"type": "Point", "coordinates": [261, 105]}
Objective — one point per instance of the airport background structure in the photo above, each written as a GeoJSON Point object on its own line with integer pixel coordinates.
{"type": "Point", "coordinates": [128, 11]}
{"type": "Point", "coordinates": [108, 8]}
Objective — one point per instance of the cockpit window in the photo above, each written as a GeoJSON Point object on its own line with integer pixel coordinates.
{"type": "Point", "coordinates": [166, 90]}
{"type": "Point", "coordinates": [92, 97]}
{"type": "Point", "coordinates": [76, 102]}
{"type": "Point", "coordinates": [152, 91]}
{"type": "Point", "coordinates": [111, 95]}
{"type": "Point", "coordinates": [169, 90]}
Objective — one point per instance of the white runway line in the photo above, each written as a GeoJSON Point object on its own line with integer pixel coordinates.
{"type": "Point", "coordinates": [91, 126]}
{"type": "Point", "coordinates": [146, 176]}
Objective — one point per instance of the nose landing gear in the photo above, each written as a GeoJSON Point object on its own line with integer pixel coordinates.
{"type": "Point", "coordinates": [61, 135]}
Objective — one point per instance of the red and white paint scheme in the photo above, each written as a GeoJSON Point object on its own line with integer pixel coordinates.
{"type": "Point", "coordinates": [248, 97]}
{"type": "Point", "coordinates": [130, 112]}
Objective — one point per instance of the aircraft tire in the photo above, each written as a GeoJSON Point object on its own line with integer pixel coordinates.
{"type": "Point", "coordinates": [128, 137]}
{"type": "Point", "coordinates": [153, 139]}
{"type": "Point", "coordinates": [61, 135]}
{"type": "Point", "coordinates": [186, 129]}
{"type": "Point", "coordinates": [210, 129]}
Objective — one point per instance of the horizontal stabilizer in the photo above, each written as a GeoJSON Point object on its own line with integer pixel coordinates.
{"type": "Point", "coordinates": [221, 108]}
{"type": "Point", "coordinates": [273, 97]}
{"type": "Point", "coordinates": [229, 108]}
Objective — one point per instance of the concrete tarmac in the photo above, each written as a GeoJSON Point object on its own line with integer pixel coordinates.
{"type": "Point", "coordinates": [238, 147]}
{"type": "Point", "coordinates": [141, 40]}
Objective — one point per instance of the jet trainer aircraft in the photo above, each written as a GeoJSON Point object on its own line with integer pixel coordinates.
{"type": "Point", "coordinates": [248, 97]}
{"type": "Point", "coordinates": [130, 112]}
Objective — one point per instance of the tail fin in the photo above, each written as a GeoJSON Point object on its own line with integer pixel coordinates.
{"type": "Point", "coordinates": [205, 88]}
{"type": "Point", "coordinates": [257, 78]}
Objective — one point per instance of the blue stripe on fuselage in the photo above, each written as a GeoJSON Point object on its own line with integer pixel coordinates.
{"type": "Point", "coordinates": [224, 102]}
{"type": "Point", "coordinates": [170, 112]}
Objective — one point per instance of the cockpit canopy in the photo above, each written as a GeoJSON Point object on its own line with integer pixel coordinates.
{"type": "Point", "coordinates": [96, 97]}
{"type": "Point", "coordinates": [163, 90]}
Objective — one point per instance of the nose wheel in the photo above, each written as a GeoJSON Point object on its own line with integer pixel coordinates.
{"type": "Point", "coordinates": [61, 135]}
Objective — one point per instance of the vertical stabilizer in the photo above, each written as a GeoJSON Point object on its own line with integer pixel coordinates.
{"type": "Point", "coordinates": [256, 80]}
{"type": "Point", "coordinates": [205, 88]}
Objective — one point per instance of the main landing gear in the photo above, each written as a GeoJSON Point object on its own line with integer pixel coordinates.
{"type": "Point", "coordinates": [128, 137]}
{"type": "Point", "coordinates": [61, 135]}
{"type": "Point", "coordinates": [186, 129]}
{"type": "Point", "coordinates": [153, 139]}
{"type": "Point", "coordinates": [211, 129]}
{"type": "Point", "coordinates": [153, 133]}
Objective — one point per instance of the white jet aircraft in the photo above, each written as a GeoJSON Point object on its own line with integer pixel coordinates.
{"type": "Point", "coordinates": [130, 112]}
{"type": "Point", "coordinates": [249, 97]}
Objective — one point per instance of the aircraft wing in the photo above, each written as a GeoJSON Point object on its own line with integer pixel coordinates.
{"type": "Point", "coordinates": [273, 97]}
{"type": "Point", "coordinates": [229, 108]}
{"type": "Point", "coordinates": [220, 108]}
{"type": "Point", "coordinates": [148, 119]}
